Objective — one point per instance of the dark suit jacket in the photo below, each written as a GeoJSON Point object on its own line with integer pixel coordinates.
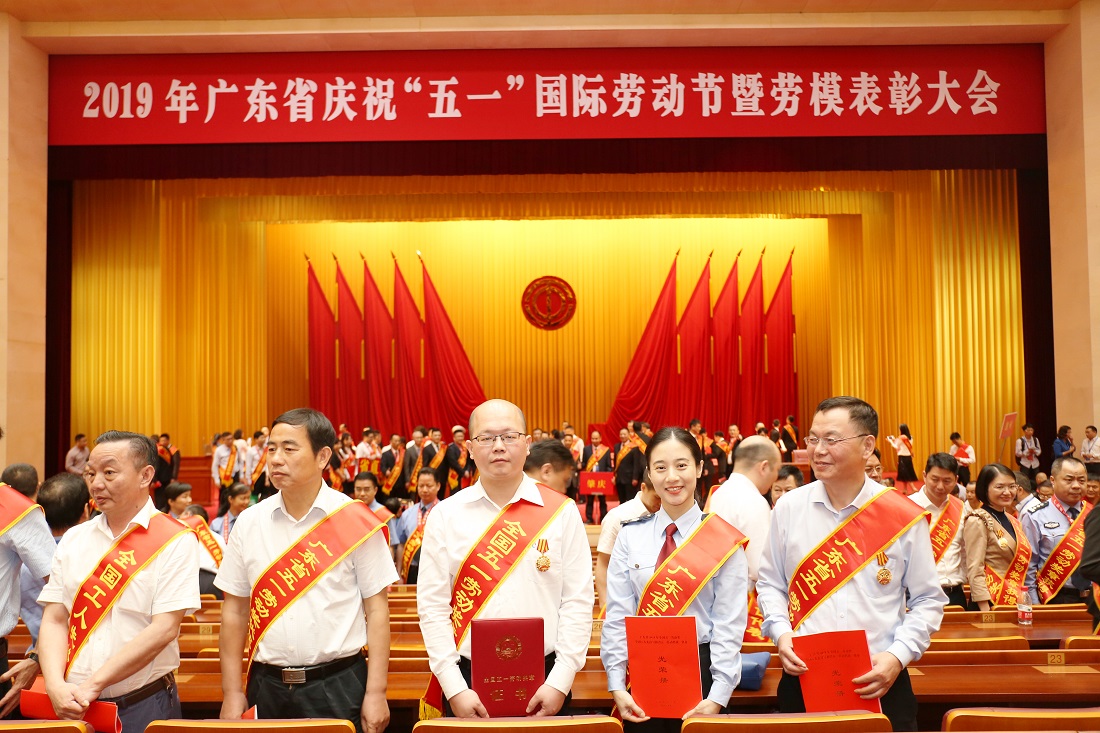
{"type": "Point", "coordinates": [1090, 557]}
{"type": "Point", "coordinates": [604, 464]}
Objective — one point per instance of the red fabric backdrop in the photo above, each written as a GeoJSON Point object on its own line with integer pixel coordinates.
{"type": "Point", "coordinates": [415, 395]}
{"type": "Point", "coordinates": [752, 354]}
{"type": "Point", "coordinates": [695, 393]}
{"type": "Point", "coordinates": [780, 386]}
{"type": "Point", "coordinates": [351, 393]}
{"type": "Point", "coordinates": [727, 359]}
{"type": "Point", "coordinates": [457, 389]}
{"type": "Point", "coordinates": [322, 349]}
{"type": "Point", "coordinates": [379, 355]}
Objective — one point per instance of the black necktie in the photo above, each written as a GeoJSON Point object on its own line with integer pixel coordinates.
{"type": "Point", "coordinates": [1073, 512]}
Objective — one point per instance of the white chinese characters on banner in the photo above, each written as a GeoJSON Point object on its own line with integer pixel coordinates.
{"type": "Point", "coordinates": [623, 95]}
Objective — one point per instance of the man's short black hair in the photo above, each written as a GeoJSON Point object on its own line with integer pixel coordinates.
{"type": "Point", "coordinates": [199, 511]}
{"type": "Point", "coordinates": [166, 436]}
{"type": "Point", "coordinates": [367, 476]}
{"type": "Point", "coordinates": [548, 451]}
{"type": "Point", "coordinates": [79, 437]}
{"type": "Point", "coordinates": [1026, 426]}
{"type": "Point", "coordinates": [695, 422]}
{"type": "Point", "coordinates": [954, 436]}
{"type": "Point", "coordinates": [63, 498]}
{"type": "Point", "coordinates": [859, 412]}
{"type": "Point", "coordinates": [257, 435]}
{"type": "Point", "coordinates": [1060, 461]}
{"type": "Point", "coordinates": [142, 449]}
{"type": "Point", "coordinates": [1091, 427]}
{"type": "Point", "coordinates": [941, 460]}
{"type": "Point", "coordinates": [318, 427]}
{"type": "Point", "coordinates": [237, 489]}
{"type": "Point", "coordinates": [788, 470]}
{"type": "Point", "coordinates": [23, 477]}
{"type": "Point", "coordinates": [175, 490]}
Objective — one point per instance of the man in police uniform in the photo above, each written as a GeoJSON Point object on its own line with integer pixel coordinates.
{"type": "Point", "coordinates": [1046, 523]}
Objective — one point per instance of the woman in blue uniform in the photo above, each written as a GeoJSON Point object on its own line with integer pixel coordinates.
{"type": "Point", "coordinates": [675, 465]}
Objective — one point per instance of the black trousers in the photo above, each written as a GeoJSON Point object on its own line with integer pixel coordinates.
{"type": "Point", "coordinates": [955, 595]}
{"type": "Point", "coordinates": [899, 704]}
{"type": "Point", "coordinates": [590, 505]}
{"type": "Point", "coordinates": [673, 725]}
{"type": "Point", "coordinates": [467, 674]}
{"type": "Point", "coordinates": [964, 475]}
{"type": "Point", "coordinates": [339, 695]}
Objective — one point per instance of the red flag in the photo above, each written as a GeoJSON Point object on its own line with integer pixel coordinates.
{"type": "Point", "coordinates": [780, 386]}
{"type": "Point", "coordinates": [351, 407]}
{"type": "Point", "coordinates": [414, 400]}
{"type": "Point", "coordinates": [643, 393]}
{"type": "Point", "coordinates": [752, 354]}
{"type": "Point", "coordinates": [457, 388]}
{"type": "Point", "coordinates": [696, 381]}
{"type": "Point", "coordinates": [727, 359]}
{"type": "Point", "coordinates": [322, 349]}
{"type": "Point", "coordinates": [378, 340]}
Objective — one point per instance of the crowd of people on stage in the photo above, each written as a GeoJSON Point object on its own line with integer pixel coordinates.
{"type": "Point", "coordinates": [112, 553]}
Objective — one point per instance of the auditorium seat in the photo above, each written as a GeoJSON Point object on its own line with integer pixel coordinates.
{"type": "Point", "coordinates": [840, 722]}
{"type": "Point", "coordinates": [306, 725]}
{"type": "Point", "coordinates": [1081, 642]}
{"type": "Point", "coordinates": [563, 724]}
{"type": "Point", "coordinates": [986, 642]}
{"type": "Point", "coordinates": [46, 726]}
{"type": "Point", "coordinates": [1006, 719]}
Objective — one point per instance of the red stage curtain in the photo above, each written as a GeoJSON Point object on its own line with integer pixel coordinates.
{"type": "Point", "coordinates": [727, 361]}
{"type": "Point", "coordinates": [415, 401]}
{"type": "Point", "coordinates": [322, 350]}
{"type": "Point", "coordinates": [643, 393]}
{"type": "Point", "coordinates": [696, 382]}
{"type": "Point", "coordinates": [457, 389]}
{"type": "Point", "coordinates": [378, 354]}
{"type": "Point", "coordinates": [351, 405]}
{"type": "Point", "coordinates": [780, 387]}
{"type": "Point", "coordinates": [752, 354]}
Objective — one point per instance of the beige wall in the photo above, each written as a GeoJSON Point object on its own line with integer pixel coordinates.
{"type": "Point", "coordinates": [1073, 134]}
{"type": "Point", "coordinates": [23, 85]}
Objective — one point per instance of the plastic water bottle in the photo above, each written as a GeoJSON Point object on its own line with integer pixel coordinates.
{"type": "Point", "coordinates": [1023, 608]}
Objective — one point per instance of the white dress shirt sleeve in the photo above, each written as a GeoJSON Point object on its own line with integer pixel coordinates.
{"type": "Point", "coordinates": [1031, 531]}
{"type": "Point", "coordinates": [232, 574]}
{"type": "Point", "coordinates": [729, 615]}
{"type": "Point", "coordinates": [926, 597]}
{"type": "Point", "coordinates": [772, 584]}
{"type": "Point", "coordinates": [178, 577]}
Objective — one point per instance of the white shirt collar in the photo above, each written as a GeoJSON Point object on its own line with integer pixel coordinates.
{"type": "Point", "coordinates": [326, 500]}
{"type": "Point", "coordinates": [686, 520]}
{"type": "Point", "coordinates": [141, 518]}
{"type": "Point", "coordinates": [819, 495]}
{"type": "Point", "coordinates": [528, 489]}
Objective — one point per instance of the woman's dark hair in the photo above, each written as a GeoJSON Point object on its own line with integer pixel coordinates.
{"type": "Point", "coordinates": [678, 435]}
{"type": "Point", "coordinates": [904, 430]}
{"type": "Point", "coordinates": [1063, 431]}
{"type": "Point", "coordinates": [989, 472]}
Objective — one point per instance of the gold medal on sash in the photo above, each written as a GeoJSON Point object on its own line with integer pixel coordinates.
{"type": "Point", "coordinates": [542, 564]}
{"type": "Point", "coordinates": [884, 575]}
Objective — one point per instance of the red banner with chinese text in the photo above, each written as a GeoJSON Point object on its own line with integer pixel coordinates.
{"type": "Point", "coordinates": [597, 482]}
{"type": "Point", "coordinates": [547, 94]}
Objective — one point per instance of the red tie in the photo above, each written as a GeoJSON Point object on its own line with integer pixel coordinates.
{"type": "Point", "coordinates": [669, 545]}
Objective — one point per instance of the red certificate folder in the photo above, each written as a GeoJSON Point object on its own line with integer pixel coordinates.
{"type": "Point", "coordinates": [663, 654]}
{"type": "Point", "coordinates": [34, 704]}
{"type": "Point", "coordinates": [507, 665]}
{"type": "Point", "coordinates": [834, 659]}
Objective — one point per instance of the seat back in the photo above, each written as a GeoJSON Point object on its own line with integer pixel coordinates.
{"type": "Point", "coordinates": [306, 725]}
{"type": "Point", "coordinates": [839, 722]}
{"type": "Point", "coordinates": [563, 724]}
{"type": "Point", "coordinates": [47, 726]}
{"type": "Point", "coordinates": [1003, 719]}
{"type": "Point", "coordinates": [1082, 642]}
{"type": "Point", "coordinates": [984, 642]}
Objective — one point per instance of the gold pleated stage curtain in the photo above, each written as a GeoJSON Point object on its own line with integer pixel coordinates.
{"type": "Point", "coordinates": [906, 287]}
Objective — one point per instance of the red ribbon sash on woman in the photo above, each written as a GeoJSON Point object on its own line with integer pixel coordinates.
{"type": "Point", "coordinates": [487, 565]}
{"type": "Point", "coordinates": [321, 548]}
{"type": "Point", "coordinates": [206, 537]}
{"type": "Point", "coordinates": [680, 578]}
{"type": "Point", "coordinates": [1065, 558]}
{"type": "Point", "coordinates": [854, 544]}
{"type": "Point", "coordinates": [946, 527]}
{"type": "Point", "coordinates": [128, 556]}
{"type": "Point", "coordinates": [1004, 591]}
{"type": "Point", "coordinates": [13, 507]}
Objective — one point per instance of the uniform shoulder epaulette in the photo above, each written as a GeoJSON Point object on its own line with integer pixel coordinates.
{"type": "Point", "coordinates": [1036, 507]}
{"type": "Point", "coordinates": [642, 518]}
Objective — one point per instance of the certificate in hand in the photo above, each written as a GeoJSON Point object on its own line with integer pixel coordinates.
{"type": "Point", "coordinates": [834, 659]}
{"type": "Point", "coordinates": [507, 665]}
{"type": "Point", "coordinates": [663, 655]}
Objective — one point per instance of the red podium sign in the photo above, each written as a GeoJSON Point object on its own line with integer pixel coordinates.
{"type": "Point", "coordinates": [597, 482]}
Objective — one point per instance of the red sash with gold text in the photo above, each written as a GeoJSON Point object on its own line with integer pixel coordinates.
{"type": "Point", "coordinates": [128, 556]}
{"type": "Point", "coordinates": [946, 527]}
{"type": "Point", "coordinates": [321, 548]}
{"type": "Point", "coordinates": [624, 451]}
{"type": "Point", "coordinates": [419, 465]}
{"type": "Point", "coordinates": [489, 562]}
{"type": "Point", "coordinates": [754, 628]}
{"type": "Point", "coordinates": [440, 454]}
{"type": "Point", "coordinates": [13, 507]}
{"type": "Point", "coordinates": [260, 466]}
{"type": "Point", "coordinates": [1004, 591]}
{"type": "Point", "coordinates": [1065, 558]}
{"type": "Point", "coordinates": [226, 474]}
{"type": "Point", "coordinates": [415, 540]}
{"type": "Point", "coordinates": [597, 455]}
{"type": "Point", "coordinates": [678, 580]}
{"type": "Point", "coordinates": [851, 547]}
{"type": "Point", "coordinates": [206, 537]}
{"type": "Point", "coordinates": [389, 482]}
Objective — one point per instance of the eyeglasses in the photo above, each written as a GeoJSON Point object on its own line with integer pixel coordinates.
{"type": "Point", "coordinates": [812, 441]}
{"type": "Point", "coordinates": [873, 470]}
{"type": "Point", "coordinates": [1005, 487]}
{"type": "Point", "coordinates": [509, 438]}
